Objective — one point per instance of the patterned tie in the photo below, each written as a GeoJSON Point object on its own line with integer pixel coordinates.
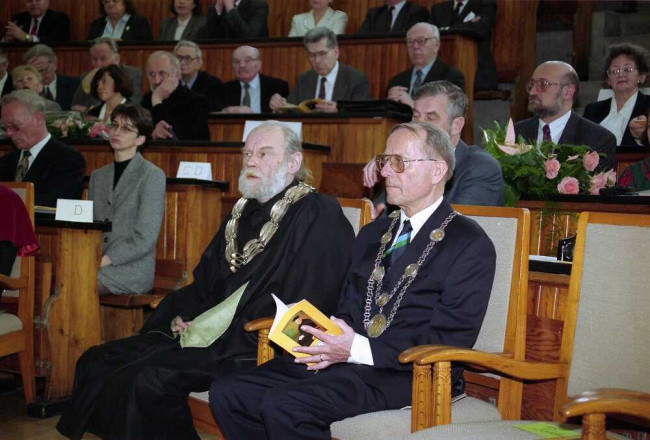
{"type": "Point", "coordinates": [47, 93]}
{"type": "Point", "coordinates": [321, 92]}
{"type": "Point", "coordinates": [399, 247]}
{"type": "Point", "coordinates": [34, 28]}
{"type": "Point", "coordinates": [546, 133]}
{"type": "Point", "coordinates": [417, 83]}
{"type": "Point", "coordinates": [23, 166]}
{"type": "Point", "coordinates": [389, 19]}
{"type": "Point", "coordinates": [246, 100]}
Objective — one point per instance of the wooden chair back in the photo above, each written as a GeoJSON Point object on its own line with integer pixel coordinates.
{"type": "Point", "coordinates": [357, 211]}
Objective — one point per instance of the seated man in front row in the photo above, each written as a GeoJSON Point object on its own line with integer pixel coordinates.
{"type": "Point", "coordinates": [328, 80]}
{"type": "Point", "coordinates": [431, 287]}
{"type": "Point", "coordinates": [137, 388]}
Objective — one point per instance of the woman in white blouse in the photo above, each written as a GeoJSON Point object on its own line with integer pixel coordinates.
{"type": "Point", "coordinates": [321, 15]}
{"type": "Point", "coordinates": [111, 86]}
{"type": "Point", "coordinates": [626, 70]}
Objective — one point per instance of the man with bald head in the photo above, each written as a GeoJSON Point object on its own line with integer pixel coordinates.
{"type": "Point", "coordinates": [551, 93]}
{"type": "Point", "coordinates": [177, 112]}
{"type": "Point", "coordinates": [251, 91]}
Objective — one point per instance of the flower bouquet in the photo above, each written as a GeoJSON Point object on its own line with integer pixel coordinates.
{"type": "Point", "coordinates": [544, 169]}
{"type": "Point", "coordinates": [70, 125]}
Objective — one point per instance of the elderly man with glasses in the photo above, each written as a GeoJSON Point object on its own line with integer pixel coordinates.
{"type": "Point", "coordinates": [423, 45]}
{"type": "Point", "coordinates": [197, 80]}
{"type": "Point", "coordinates": [551, 93]}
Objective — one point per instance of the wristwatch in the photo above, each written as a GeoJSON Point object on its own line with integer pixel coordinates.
{"type": "Point", "coordinates": [28, 37]}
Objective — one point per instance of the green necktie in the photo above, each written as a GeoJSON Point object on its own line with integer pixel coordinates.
{"type": "Point", "coordinates": [211, 324]}
{"type": "Point", "coordinates": [246, 101]}
{"type": "Point", "coordinates": [23, 166]}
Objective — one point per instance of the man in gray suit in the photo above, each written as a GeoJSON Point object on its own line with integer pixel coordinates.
{"type": "Point", "coordinates": [103, 53]}
{"type": "Point", "coordinates": [329, 80]}
{"type": "Point", "coordinates": [477, 178]}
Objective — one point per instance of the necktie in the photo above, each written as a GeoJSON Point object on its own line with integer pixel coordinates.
{"type": "Point", "coordinates": [399, 247]}
{"type": "Point", "coordinates": [321, 92]}
{"type": "Point", "coordinates": [417, 83]}
{"type": "Point", "coordinates": [246, 100]}
{"type": "Point", "coordinates": [389, 19]}
{"type": "Point", "coordinates": [23, 166]}
{"type": "Point", "coordinates": [459, 4]}
{"type": "Point", "coordinates": [47, 94]}
{"type": "Point", "coordinates": [546, 133]}
{"type": "Point", "coordinates": [34, 28]}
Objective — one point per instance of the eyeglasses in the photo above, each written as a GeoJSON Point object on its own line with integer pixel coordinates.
{"type": "Point", "coordinates": [186, 58]}
{"type": "Point", "coordinates": [316, 55]}
{"type": "Point", "coordinates": [124, 129]}
{"type": "Point", "coordinates": [244, 61]}
{"type": "Point", "coordinates": [540, 85]}
{"type": "Point", "coordinates": [418, 41]}
{"type": "Point", "coordinates": [617, 72]}
{"type": "Point", "coordinates": [397, 162]}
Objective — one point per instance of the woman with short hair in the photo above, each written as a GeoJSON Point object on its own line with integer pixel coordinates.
{"type": "Point", "coordinates": [120, 22]}
{"type": "Point", "coordinates": [111, 86]}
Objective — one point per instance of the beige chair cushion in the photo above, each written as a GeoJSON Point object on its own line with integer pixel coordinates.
{"type": "Point", "coordinates": [9, 323]}
{"type": "Point", "coordinates": [354, 216]}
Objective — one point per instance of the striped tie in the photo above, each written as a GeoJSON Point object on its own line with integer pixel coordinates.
{"type": "Point", "coordinates": [399, 247]}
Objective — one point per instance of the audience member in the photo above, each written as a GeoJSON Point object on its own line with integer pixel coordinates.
{"type": "Point", "coordinates": [395, 16]}
{"type": "Point", "coordinates": [422, 45]}
{"type": "Point", "coordinates": [177, 112]}
{"type": "Point", "coordinates": [251, 91]}
{"type": "Point", "coordinates": [321, 15]}
{"type": "Point", "coordinates": [104, 52]}
{"type": "Point", "coordinates": [477, 178]}
{"type": "Point", "coordinates": [476, 18]}
{"type": "Point", "coordinates": [130, 193]}
{"type": "Point", "coordinates": [26, 77]}
{"type": "Point", "coordinates": [56, 87]}
{"type": "Point", "coordinates": [442, 301]}
{"type": "Point", "coordinates": [551, 92]}
{"type": "Point", "coordinates": [329, 80]}
{"type": "Point", "coordinates": [138, 387]}
{"type": "Point", "coordinates": [186, 23]}
{"type": "Point", "coordinates": [120, 21]}
{"type": "Point", "coordinates": [17, 236]}
{"type": "Point", "coordinates": [237, 19]}
{"type": "Point", "coordinates": [626, 69]}
{"type": "Point", "coordinates": [637, 175]}
{"type": "Point", "coordinates": [56, 170]}
{"type": "Point", "coordinates": [39, 24]}
{"type": "Point", "coordinates": [198, 81]}
{"type": "Point", "coordinates": [6, 83]}
{"type": "Point", "coordinates": [112, 87]}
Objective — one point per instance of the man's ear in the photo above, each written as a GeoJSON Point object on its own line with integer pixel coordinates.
{"type": "Point", "coordinates": [440, 169]}
{"type": "Point", "coordinates": [569, 92]}
{"type": "Point", "coordinates": [295, 161]}
{"type": "Point", "coordinates": [457, 126]}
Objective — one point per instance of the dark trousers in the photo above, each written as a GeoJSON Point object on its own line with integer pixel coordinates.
{"type": "Point", "coordinates": [283, 400]}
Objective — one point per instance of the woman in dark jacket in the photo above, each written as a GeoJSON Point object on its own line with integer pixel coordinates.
{"type": "Point", "coordinates": [185, 24]}
{"type": "Point", "coordinates": [120, 21]}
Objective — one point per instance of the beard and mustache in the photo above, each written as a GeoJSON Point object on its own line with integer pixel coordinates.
{"type": "Point", "coordinates": [264, 187]}
{"type": "Point", "coordinates": [536, 107]}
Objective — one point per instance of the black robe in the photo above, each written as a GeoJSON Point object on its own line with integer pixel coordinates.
{"type": "Point", "coordinates": [137, 388]}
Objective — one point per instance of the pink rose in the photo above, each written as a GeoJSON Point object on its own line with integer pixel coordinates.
{"type": "Point", "coordinates": [597, 182]}
{"type": "Point", "coordinates": [590, 160]}
{"type": "Point", "coordinates": [568, 185]}
{"type": "Point", "coordinates": [611, 177]}
{"type": "Point", "coordinates": [98, 130]}
{"type": "Point", "coordinates": [552, 167]}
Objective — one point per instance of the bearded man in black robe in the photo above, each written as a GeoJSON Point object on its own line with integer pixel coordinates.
{"type": "Point", "coordinates": [137, 388]}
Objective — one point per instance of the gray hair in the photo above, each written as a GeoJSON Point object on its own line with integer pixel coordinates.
{"type": "Point", "coordinates": [188, 43]}
{"type": "Point", "coordinates": [27, 98]}
{"type": "Point", "coordinates": [292, 144]}
{"type": "Point", "coordinates": [436, 143]}
{"type": "Point", "coordinates": [40, 50]}
{"type": "Point", "coordinates": [433, 28]}
{"type": "Point", "coordinates": [110, 42]}
{"type": "Point", "coordinates": [176, 64]}
{"type": "Point", "coordinates": [317, 34]}
{"type": "Point", "coordinates": [456, 98]}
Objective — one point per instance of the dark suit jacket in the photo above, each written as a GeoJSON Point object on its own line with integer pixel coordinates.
{"type": "Point", "coordinates": [445, 304]}
{"type": "Point", "coordinates": [597, 111]}
{"type": "Point", "coordinates": [137, 28]}
{"type": "Point", "coordinates": [248, 20]}
{"type": "Point", "coordinates": [186, 111]}
{"type": "Point", "coordinates": [57, 173]}
{"type": "Point", "coordinates": [442, 15]}
{"type": "Point", "coordinates": [9, 86]}
{"type": "Point", "coordinates": [351, 84]}
{"type": "Point", "coordinates": [477, 178]}
{"type": "Point", "coordinates": [439, 71]}
{"type": "Point", "coordinates": [55, 26]}
{"type": "Point", "coordinates": [375, 21]}
{"type": "Point", "coordinates": [65, 88]}
{"type": "Point", "coordinates": [269, 86]}
{"type": "Point", "coordinates": [211, 87]}
{"type": "Point", "coordinates": [191, 32]}
{"type": "Point", "coordinates": [578, 131]}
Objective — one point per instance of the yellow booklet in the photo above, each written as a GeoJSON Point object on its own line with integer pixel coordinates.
{"type": "Point", "coordinates": [307, 106]}
{"type": "Point", "coordinates": [286, 332]}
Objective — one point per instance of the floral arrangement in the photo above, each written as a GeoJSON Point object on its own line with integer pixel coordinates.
{"type": "Point", "coordinates": [545, 169]}
{"type": "Point", "coordinates": [74, 128]}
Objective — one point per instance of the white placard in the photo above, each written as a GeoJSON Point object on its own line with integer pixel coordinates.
{"type": "Point", "coordinates": [251, 125]}
{"type": "Point", "coordinates": [194, 170]}
{"type": "Point", "coordinates": [74, 210]}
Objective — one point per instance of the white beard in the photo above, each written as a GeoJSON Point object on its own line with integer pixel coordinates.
{"type": "Point", "coordinates": [264, 188]}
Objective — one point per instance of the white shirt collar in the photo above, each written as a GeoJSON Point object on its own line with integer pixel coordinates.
{"type": "Point", "coordinates": [254, 92]}
{"type": "Point", "coordinates": [329, 84]}
{"type": "Point", "coordinates": [617, 120]}
{"type": "Point", "coordinates": [557, 127]}
{"type": "Point", "coordinates": [419, 219]}
{"type": "Point", "coordinates": [52, 87]}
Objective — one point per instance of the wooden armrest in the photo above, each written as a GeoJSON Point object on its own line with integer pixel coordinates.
{"type": "Point", "coordinates": [9, 283]}
{"type": "Point", "coordinates": [608, 400]}
{"type": "Point", "coordinates": [259, 324]}
{"type": "Point", "coordinates": [128, 301]}
{"type": "Point", "coordinates": [498, 362]}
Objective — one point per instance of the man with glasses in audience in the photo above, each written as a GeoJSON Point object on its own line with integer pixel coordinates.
{"type": "Point", "coordinates": [251, 91]}
{"type": "Point", "coordinates": [421, 276]}
{"type": "Point", "coordinates": [422, 45]}
{"type": "Point", "coordinates": [38, 24]}
{"type": "Point", "coordinates": [56, 169]}
{"type": "Point", "coordinates": [394, 16]}
{"type": "Point", "coordinates": [196, 80]}
{"type": "Point", "coordinates": [56, 87]}
{"type": "Point", "coordinates": [329, 81]}
{"type": "Point", "coordinates": [177, 112]}
{"type": "Point", "coordinates": [551, 93]}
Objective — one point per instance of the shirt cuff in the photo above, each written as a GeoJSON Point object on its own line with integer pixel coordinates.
{"type": "Point", "coordinates": [360, 352]}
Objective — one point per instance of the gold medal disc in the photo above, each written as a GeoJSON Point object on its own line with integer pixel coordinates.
{"type": "Point", "coordinates": [437, 235]}
{"type": "Point", "coordinates": [378, 273]}
{"type": "Point", "coordinates": [411, 270]}
{"type": "Point", "coordinates": [386, 237]}
{"type": "Point", "coordinates": [382, 300]}
{"type": "Point", "coordinates": [377, 325]}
